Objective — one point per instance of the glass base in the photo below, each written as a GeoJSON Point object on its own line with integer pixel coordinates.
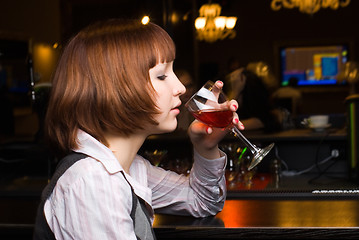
{"type": "Point", "coordinates": [258, 157]}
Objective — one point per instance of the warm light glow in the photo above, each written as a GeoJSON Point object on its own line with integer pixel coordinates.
{"type": "Point", "coordinates": [288, 214]}
{"type": "Point", "coordinates": [43, 52]}
{"type": "Point", "coordinates": [220, 22]}
{"type": "Point", "coordinates": [145, 20]}
{"type": "Point", "coordinates": [211, 26]}
{"type": "Point", "coordinates": [231, 22]}
{"type": "Point", "coordinates": [200, 23]}
{"type": "Point", "coordinates": [45, 59]}
{"type": "Point", "coordinates": [175, 18]}
{"type": "Point", "coordinates": [234, 214]}
{"type": "Point", "coordinates": [308, 6]}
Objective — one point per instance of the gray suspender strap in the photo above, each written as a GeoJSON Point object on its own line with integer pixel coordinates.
{"type": "Point", "coordinates": [141, 218]}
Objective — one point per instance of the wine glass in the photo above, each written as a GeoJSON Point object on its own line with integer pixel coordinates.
{"type": "Point", "coordinates": [210, 106]}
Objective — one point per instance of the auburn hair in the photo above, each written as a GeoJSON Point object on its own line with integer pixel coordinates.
{"type": "Point", "coordinates": [102, 82]}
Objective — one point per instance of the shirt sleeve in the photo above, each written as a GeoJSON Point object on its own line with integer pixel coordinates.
{"type": "Point", "coordinates": [88, 207]}
{"type": "Point", "coordinates": [200, 194]}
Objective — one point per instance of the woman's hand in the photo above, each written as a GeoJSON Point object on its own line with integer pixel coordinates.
{"type": "Point", "coordinates": [205, 139]}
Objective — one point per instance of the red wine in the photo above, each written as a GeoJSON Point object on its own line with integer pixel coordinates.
{"type": "Point", "coordinates": [214, 118]}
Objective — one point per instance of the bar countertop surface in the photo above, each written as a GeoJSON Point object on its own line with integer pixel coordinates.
{"type": "Point", "coordinates": [268, 219]}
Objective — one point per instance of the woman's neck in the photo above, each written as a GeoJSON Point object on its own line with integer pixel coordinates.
{"type": "Point", "coordinates": [125, 148]}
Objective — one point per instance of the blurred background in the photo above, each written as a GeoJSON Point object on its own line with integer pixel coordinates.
{"type": "Point", "coordinates": [268, 37]}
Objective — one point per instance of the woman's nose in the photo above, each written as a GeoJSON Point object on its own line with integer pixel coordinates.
{"type": "Point", "coordinates": [180, 88]}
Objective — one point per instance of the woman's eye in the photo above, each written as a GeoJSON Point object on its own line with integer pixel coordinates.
{"type": "Point", "coordinates": [162, 77]}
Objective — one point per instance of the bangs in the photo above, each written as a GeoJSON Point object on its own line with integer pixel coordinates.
{"type": "Point", "coordinates": [160, 46]}
{"type": "Point", "coordinates": [165, 51]}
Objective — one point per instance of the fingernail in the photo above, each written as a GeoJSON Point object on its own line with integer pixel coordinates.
{"type": "Point", "coordinates": [219, 82]}
{"type": "Point", "coordinates": [209, 130]}
{"type": "Point", "coordinates": [236, 120]}
{"type": "Point", "coordinates": [235, 107]}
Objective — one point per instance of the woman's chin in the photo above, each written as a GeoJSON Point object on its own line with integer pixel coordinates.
{"type": "Point", "coordinates": [170, 128]}
{"type": "Point", "coordinates": [164, 127]}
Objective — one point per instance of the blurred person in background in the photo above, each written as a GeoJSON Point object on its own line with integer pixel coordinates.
{"type": "Point", "coordinates": [255, 110]}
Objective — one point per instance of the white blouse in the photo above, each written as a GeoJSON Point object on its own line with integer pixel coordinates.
{"type": "Point", "coordinates": [92, 199]}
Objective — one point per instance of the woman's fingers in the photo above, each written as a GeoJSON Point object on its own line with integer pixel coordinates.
{"type": "Point", "coordinates": [233, 106]}
{"type": "Point", "coordinates": [200, 128]}
{"type": "Point", "coordinates": [236, 122]}
{"type": "Point", "coordinates": [217, 88]}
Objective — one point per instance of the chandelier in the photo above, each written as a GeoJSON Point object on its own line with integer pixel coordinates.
{"type": "Point", "coordinates": [308, 6]}
{"type": "Point", "coordinates": [211, 26]}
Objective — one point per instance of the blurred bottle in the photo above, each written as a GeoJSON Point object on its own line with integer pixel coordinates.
{"type": "Point", "coordinates": [275, 170]}
{"type": "Point", "coordinates": [231, 174]}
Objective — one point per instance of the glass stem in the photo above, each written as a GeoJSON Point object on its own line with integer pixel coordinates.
{"type": "Point", "coordinates": [238, 133]}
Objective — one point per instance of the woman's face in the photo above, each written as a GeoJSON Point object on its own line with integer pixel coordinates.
{"type": "Point", "coordinates": [168, 89]}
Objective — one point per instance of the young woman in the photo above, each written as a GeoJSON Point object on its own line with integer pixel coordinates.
{"type": "Point", "coordinates": [113, 87]}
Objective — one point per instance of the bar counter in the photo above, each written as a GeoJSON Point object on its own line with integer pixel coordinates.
{"type": "Point", "coordinates": [239, 219]}
{"type": "Point", "coordinates": [268, 219]}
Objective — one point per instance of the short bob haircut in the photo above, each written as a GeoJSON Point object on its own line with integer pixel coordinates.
{"type": "Point", "coordinates": [102, 82]}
